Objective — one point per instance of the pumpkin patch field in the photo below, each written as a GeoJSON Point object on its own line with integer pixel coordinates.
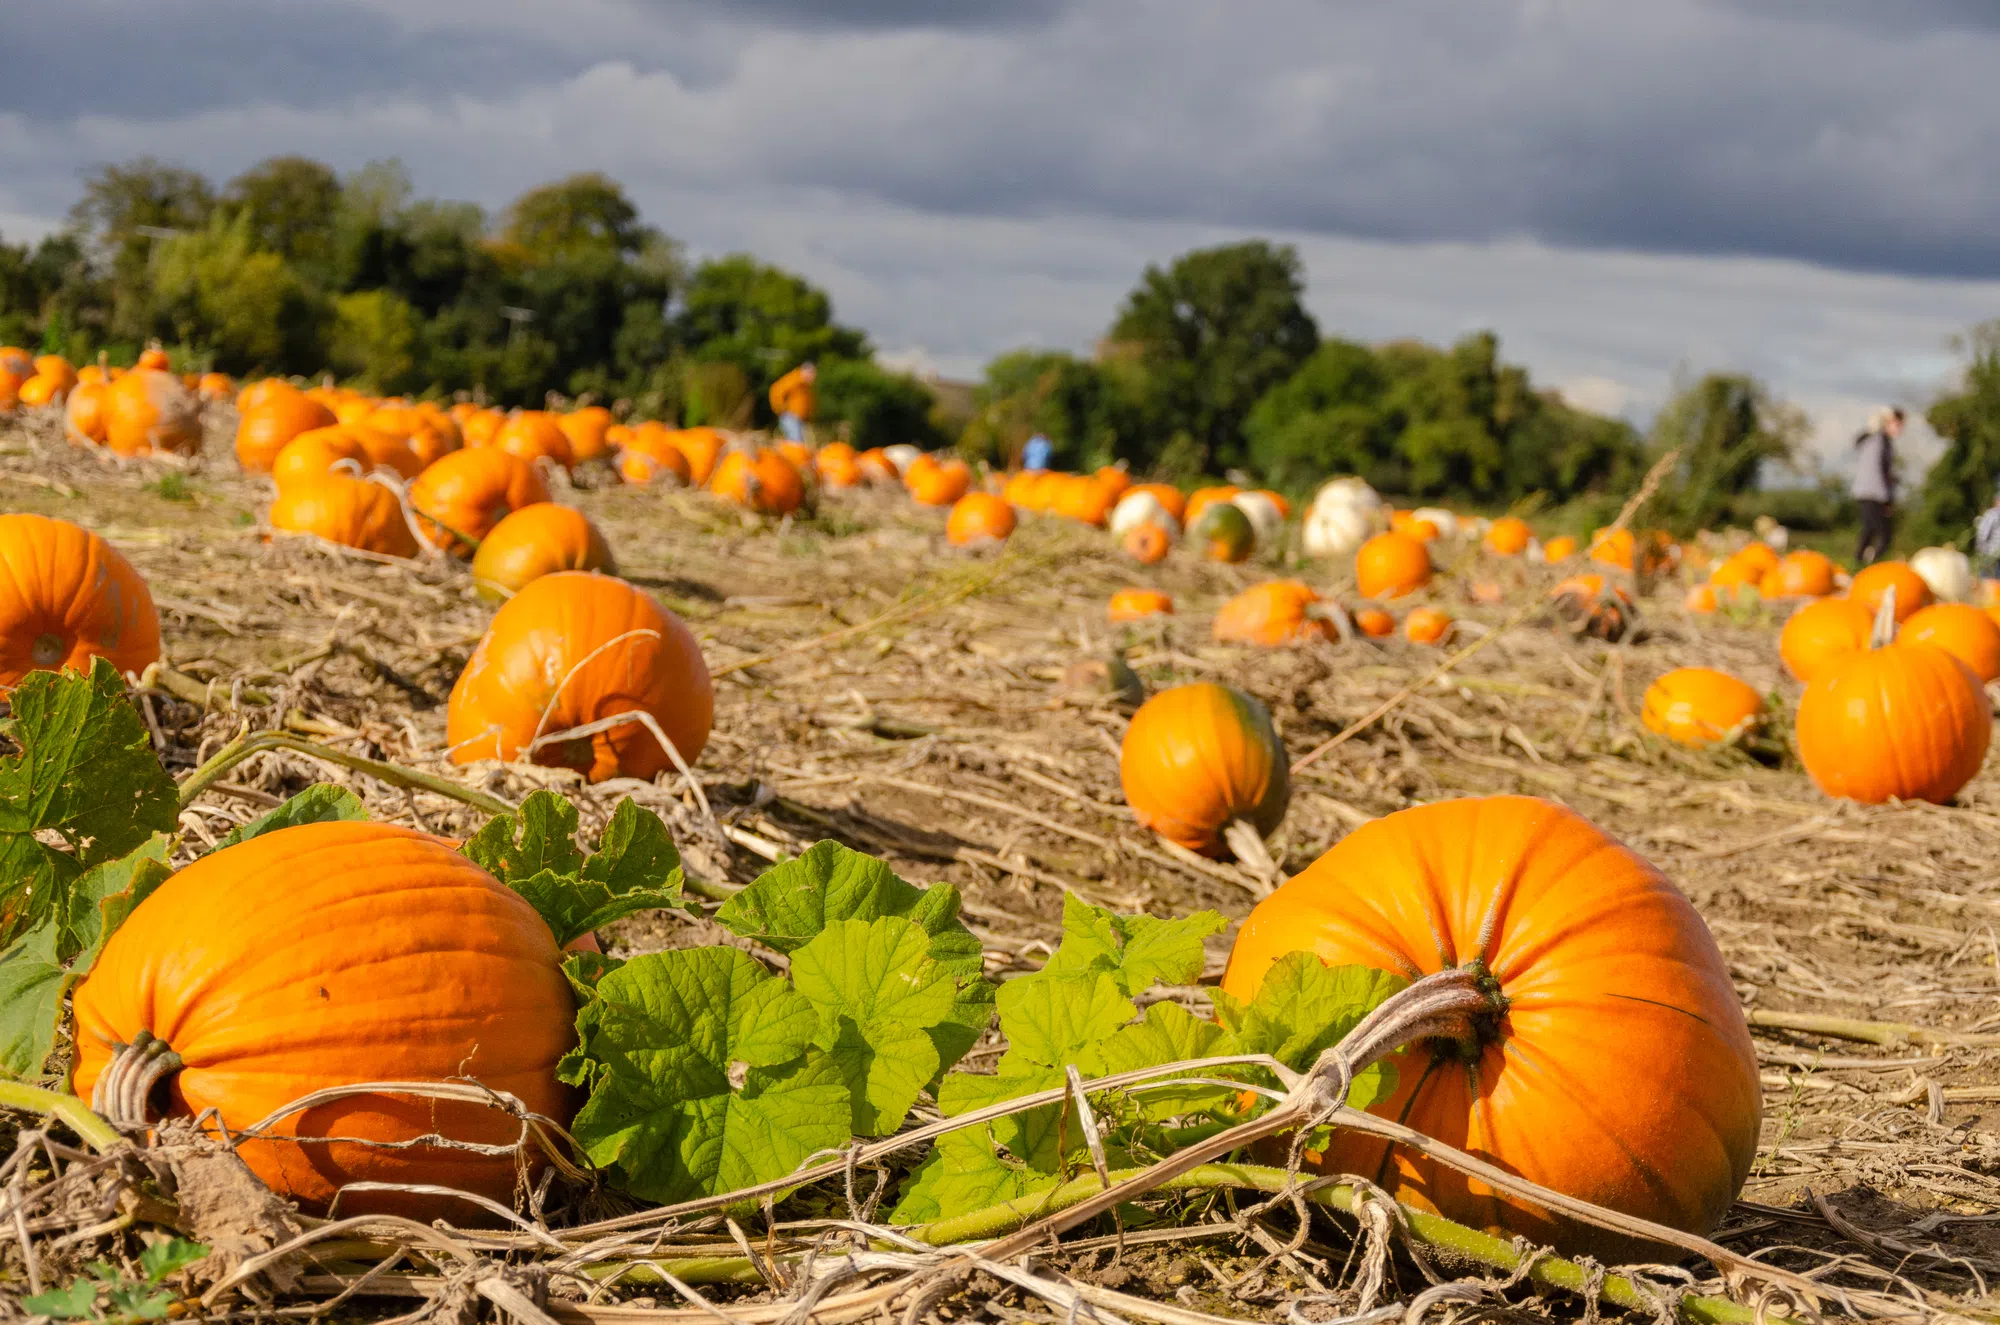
{"type": "Point", "coordinates": [546, 866]}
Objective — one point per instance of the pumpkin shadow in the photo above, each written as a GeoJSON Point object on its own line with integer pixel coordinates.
{"type": "Point", "coordinates": [675, 586]}
{"type": "Point", "coordinates": [1867, 1224]}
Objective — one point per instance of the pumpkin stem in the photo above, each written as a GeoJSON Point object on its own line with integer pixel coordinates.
{"type": "Point", "coordinates": [1884, 632]}
{"type": "Point", "coordinates": [126, 1084]}
{"type": "Point", "coordinates": [1462, 1004]}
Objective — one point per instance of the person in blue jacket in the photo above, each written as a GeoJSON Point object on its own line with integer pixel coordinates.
{"type": "Point", "coordinates": [1037, 453]}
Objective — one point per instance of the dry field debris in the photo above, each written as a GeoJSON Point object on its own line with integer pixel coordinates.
{"type": "Point", "coordinates": [940, 711]}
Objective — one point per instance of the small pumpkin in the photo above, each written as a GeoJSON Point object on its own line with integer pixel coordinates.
{"type": "Point", "coordinates": [587, 431]}
{"type": "Point", "coordinates": [1391, 565]}
{"type": "Point", "coordinates": [839, 466]}
{"type": "Point", "coordinates": [649, 454]}
{"type": "Point", "coordinates": [1591, 605]}
{"type": "Point", "coordinates": [761, 480]}
{"type": "Point", "coordinates": [1895, 720]}
{"type": "Point", "coordinates": [459, 500]}
{"type": "Point", "coordinates": [1147, 544]}
{"type": "Point", "coordinates": [534, 436]}
{"type": "Point", "coordinates": [153, 359]}
{"type": "Point", "coordinates": [1961, 630]}
{"type": "Point", "coordinates": [39, 391]}
{"type": "Point", "coordinates": [385, 451]}
{"type": "Point", "coordinates": [262, 432]}
{"type": "Point", "coordinates": [1222, 531]}
{"type": "Point", "coordinates": [1613, 547]}
{"type": "Point", "coordinates": [1198, 758]}
{"type": "Point", "coordinates": [1591, 960]}
{"type": "Point", "coordinates": [1138, 604]}
{"type": "Point", "coordinates": [481, 426]}
{"type": "Point", "coordinates": [1700, 706]}
{"type": "Point", "coordinates": [1202, 498]}
{"type": "Point", "coordinates": [1873, 583]}
{"type": "Point", "coordinates": [325, 955]}
{"type": "Point", "coordinates": [1821, 631]}
{"type": "Point", "coordinates": [67, 596]}
{"type": "Point", "coordinates": [1947, 572]}
{"type": "Point", "coordinates": [215, 386]}
{"type": "Point", "coordinates": [1428, 625]}
{"type": "Point", "coordinates": [1374, 623]}
{"type": "Point", "coordinates": [535, 541]}
{"type": "Point", "coordinates": [1508, 536]}
{"type": "Point", "coordinates": [1274, 614]}
{"type": "Point", "coordinates": [349, 511]}
{"type": "Point", "coordinates": [1560, 548]}
{"type": "Point", "coordinates": [1801, 574]}
{"type": "Point", "coordinates": [979, 519]}
{"type": "Point", "coordinates": [147, 410]}
{"type": "Point", "coordinates": [1170, 498]}
{"type": "Point", "coordinates": [572, 649]}
{"type": "Point", "coordinates": [1701, 600]}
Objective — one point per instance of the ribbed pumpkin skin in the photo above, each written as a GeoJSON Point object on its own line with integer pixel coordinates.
{"type": "Point", "coordinates": [1699, 706]}
{"type": "Point", "coordinates": [349, 511]}
{"type": "Point", "coordinates": [535, 643]}
{"type": "Point", "coordinates": [1623, 1072]}
{"type": "Point", "coordinates": [1197, 756]}
{"type": "Point", "coordinates": [1272, 614]}
{"type": "Point", "coordinates": [1138, 604]}
{"type": "Point", "coordinates": [979, 517]}
{"type": "Point", "coordinates": [535, 541]}
{"type": "Point", "coordinates": [469, 492]}
{"type": "Point", "coordinates": [67, 596]}
{"type": "Point", "coordinates": [535, 435]}
{"type": "Point", "coordinates": [764, 482]}
{"type": "Point", "coordinates": [1906, 721]}
{"type": "Point", "coordinates": [1870, 583]}
{"type": "Point", "coordinates": [331, 954]}
{"type": "Point", "coordinates": [1961, 630]}
{"type": "Point", "coordinates": [311, 456]}
{"type": "Point", "coordinates": [262, 432]}
{"type": "Point", "coordinates": [147, 410]}
{"type": "Point", "coordinates": [84, 414]}
{"type": "Point", "coordinates": [1391, 565]}
{"type": "Point", "coordinates": [933, 482]}
{"type": "Point", "coordinates": [1801, 574]}
{"type": "Point", "coordinates": [586, 428]}
{"type": "Point", "coordinates": [1821, 632]}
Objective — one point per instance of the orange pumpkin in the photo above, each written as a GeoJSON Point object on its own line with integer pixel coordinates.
{"type": "Point", "coordinates": [534, 435]}
{"type": "Point", "coordinates": [329, 954]}
{"type": "Point", "coordinates": [312, 456]}
{"type": "Point", "coordinates": [1428, 625]}
{"type": "Point", "coordinates": [38, 392]}
{"type": "Point", "coordinates": [1701, 600]}
{"type": "Point", "coordinates": [570, 650]}
{"type": "Point", "coordinates": [385, 450]}
{"type": "Point", "coordinates": [153, 359]}
{"type": "Point", "coordinates": [67, 596]}
{"type": "Point", "coordinates": [1201, 499]}
{"type": "Point", "coordinates": [1375, 623]}
{"type": "Point", "coordinates": [349, 511]}
{"type": "Point", "coordinates": [1591, 605]}
{"type": "Point", "coordinates": [934, 482]}
{"type": "Point", "coordinates": [17, 361]}
{"type": "Point", "coordinates": [459, 500]}
{"type": "Point", "coordinates": [535, 541]}
{"type": "Point", "coordinates": [1391, 565]}
{"type": "Point", "coordinates": [647, 454]}
{"type": "Point", "coordinates": [1508, 536]}
{"type": "Point", "coordinates": [1198, 758]}
{"type": "Point", "coordinates": [979, 518]}
{"type": "Point", "coordinates": [1700, 706]}
{"type": "Point", "coordinates": [1901, 721]}
{"type": "Point", "coordinates": [760, 481]}
{"type": "Point", "coordinates": [838, 465]}
{"type": "Point", "coordinates": [703, 448]}
{"type": "Point", "coordinates": [433, 436]}
{"type": "Point", "coordinates": [1801, 574]}
{"type": "Point", "coordinates": [1169, 496]}
{"type": "Point", "coordinates": [1871, 583]}
{"type": "Point", "coordinates": [1560, 548]}
{"type": "Point", "coordinates": [586, 431]}
{"type": "Point", "coordinates": [1613, 547]}
{"type": "Point", "coordinates": [262, 432]}
{"type": "Point", "coordinates": [1821, 631]}
{"type": "Point", "coordinates": [479, 427]}
{"type": "Point", "coordinates": [84, 416]}
{"type": "Point", "coordinates": [215, 386]}
{"type": "Point", "coordinates": [876, 467]}
{"type": "Point", "coordinates": [1085, 500]}
{"type": "Point", "coordinates": [1589, 955]}
{"type": "Point", "coordinates": [1223, 532]}
{"type": "Point", "coordinates": [1408, 524]}
{"type": "Point", "coordinates": [147, 411]}
{"type": "Point", "coordinates": [1961, 630]}
{"type": "Point", "coordinates": [1273, 614]}
{"type": "Point", "coordinates": [1137, 604]}
{"type": "Point", "coordinates": [1147, 543]}
{"type": "Point", "coordinates": [1116, 482]}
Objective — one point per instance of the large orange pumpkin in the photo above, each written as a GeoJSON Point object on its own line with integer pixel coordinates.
{"type": "Point", "coordinates": [1275, 613]}
{"type": "Point", "coordinates": [1700, 706]}
{"type": "Point", "coordinates": [1391, 565]}
{"type": "Point", "coordinates": [1138, 604]}
{"type": "Point", "coordinates": [838, 465]}
{"type": "Point", "coordinates": [331, 954]}
{"type": "Point", "coordinates": [934, 482]}
{"type": "Point", "coordinates": [586, 430]}
{"type": "Point", "coordinates": [261, 433]}
{"type": "Point", "coordinates": [648, 452]}
{"type": "Point", "coordinates": [979, 518]}
{"type": "Point", "coordinates": [67, 596]}
{"type": "Point", "coordinates": [1801, 574]}
{"type": "Point", "coordinates": [1508, 536]}
{"type": "Point", "coordinates": [571, 649]}
{"type": "Point", "coordinates": [465, 494]}
{"type": "Point", "coordinates": [1615, 1066]}
{"type": "Point", "coordinates": [534, 435]}
{"type": "Point", "coordinates": [312, 455]}
{"type": "Point", "coordinates": [703, 449]}
{"type": "Point", "coordinates": [1895, 720]}
{"type": "Point", "coordinates": [1087, 500]}
{"type": "Point", "coordinates": [39, 391]}
{"type": "Point", "coordinates": [385, 450]}
{"type": "Point", "coordinates": [1961, 630]}
{"type": "Point", "coordinates": [349, 511]}
{"type": "Point", "coordinates": [1197, 758]}
{"type": "Point", "coordinates": [147, 410]}
{"type": "Point", "coordinates": [1169, 496]}
{"type": "Point", "coordinates": [762, 481]}
{"type": "Point", "coordinates": [1821, 631]}
{"type": "Point", "coordinates": [535, 541]}
{"type": "Point", "coordinates": [1871, 583]}
{"type": "Point", "coordinates": [84, 416]}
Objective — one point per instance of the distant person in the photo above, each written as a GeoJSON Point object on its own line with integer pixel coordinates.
{"type": "Point", "coordinates": [1986, 540]}
{"type": "Point", "coordinates": [1875, 482]}
{"type": "Point", "coordinates": [1037, 453]}
{"type": "Point", "coordinates": [793, 399]}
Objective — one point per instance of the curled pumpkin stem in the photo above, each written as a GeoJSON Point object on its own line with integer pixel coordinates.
{"type": "Point", "coordinates": [127, 1082]}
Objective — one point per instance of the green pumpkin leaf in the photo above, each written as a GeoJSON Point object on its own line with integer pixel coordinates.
{"type": "Point", "coordinates": [1305, 1006]}
{"type": "Point", "coordinates": [86, 772]}
{"type": "Point", "coordinates": [321, 803]}
{"type": "Point", "coordinates": [636, 867]}
{"type": "Point", "coordinates": [965, 1173]}
{"type": "Point", "coordinates": [541, 835]}
{"type": "Point", "coordinates": [703, 1076]}
{"type": "Point", "coordinates": [76, 1302]}
{"type": "Point", "coordinates": [1139, 951]}
{"type": "Point", "coordinates": [164, 1258]}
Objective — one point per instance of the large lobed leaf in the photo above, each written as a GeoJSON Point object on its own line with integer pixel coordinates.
{"type": "Point", "coordinates": [635, 868]}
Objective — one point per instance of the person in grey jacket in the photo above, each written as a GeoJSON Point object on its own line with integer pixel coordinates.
{"type": "Point", "coordinates": [1875, 482]}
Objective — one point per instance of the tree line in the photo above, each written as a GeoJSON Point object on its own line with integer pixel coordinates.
{"type": "Point", "coordinates": [1211, 366]}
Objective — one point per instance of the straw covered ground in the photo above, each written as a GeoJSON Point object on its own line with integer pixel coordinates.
{"type": "Point", "coordinates": [946, 712]}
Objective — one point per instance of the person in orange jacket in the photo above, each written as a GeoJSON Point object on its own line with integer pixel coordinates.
{"type": "Point", "coordinates": [792, 398]}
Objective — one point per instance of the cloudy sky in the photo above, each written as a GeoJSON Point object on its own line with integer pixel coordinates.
{"type": "Point", "coordinates": [1624, 191]}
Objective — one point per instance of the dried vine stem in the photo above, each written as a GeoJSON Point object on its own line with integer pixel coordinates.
{"type": "Point", "coordinates": [396, 775]}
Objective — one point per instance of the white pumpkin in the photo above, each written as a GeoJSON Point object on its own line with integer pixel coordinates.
{"type": "Point", "coordinates": [1348, 491]}
{"type": "Point", "coordinates": [1135, 509]}
{"type": "Point", "coordinates": [1336, 529]}
{"type": "Point", "coordinates": [902, 455]}
{"type": "Point", "coordinates": [1440, 519]}
{"type": "Point", "coordinates": [1947, 571]}
{"type": "Point", "coordinates": [1265, 517]}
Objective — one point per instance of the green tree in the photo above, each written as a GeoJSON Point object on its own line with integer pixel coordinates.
{"type": "Point", "coordinates": [1081, 407]}
{"type": "Point", "coordinates": [245, 305]}
{"type": "Point", "coordinates": [876, 407]}
{"type": "Point", "coordinates": [1960, 484]}
{"type": "Point", "coordinates": [1215, 331]}
{"type": "Point", "coordinates": [124, 210]}
{"type": "Point", "coordinates": [1325, 419]}
{"type": "Point", "coordinates": [1727, 428]}
{"type": "Point", "coordinates": [376, 338]}
{"type": "Point", "coordinates": [587, 213]}
{"type": "Point", "coordinates": [764, 320]}
{"type": "Point", "coordinates": [291, 204]}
